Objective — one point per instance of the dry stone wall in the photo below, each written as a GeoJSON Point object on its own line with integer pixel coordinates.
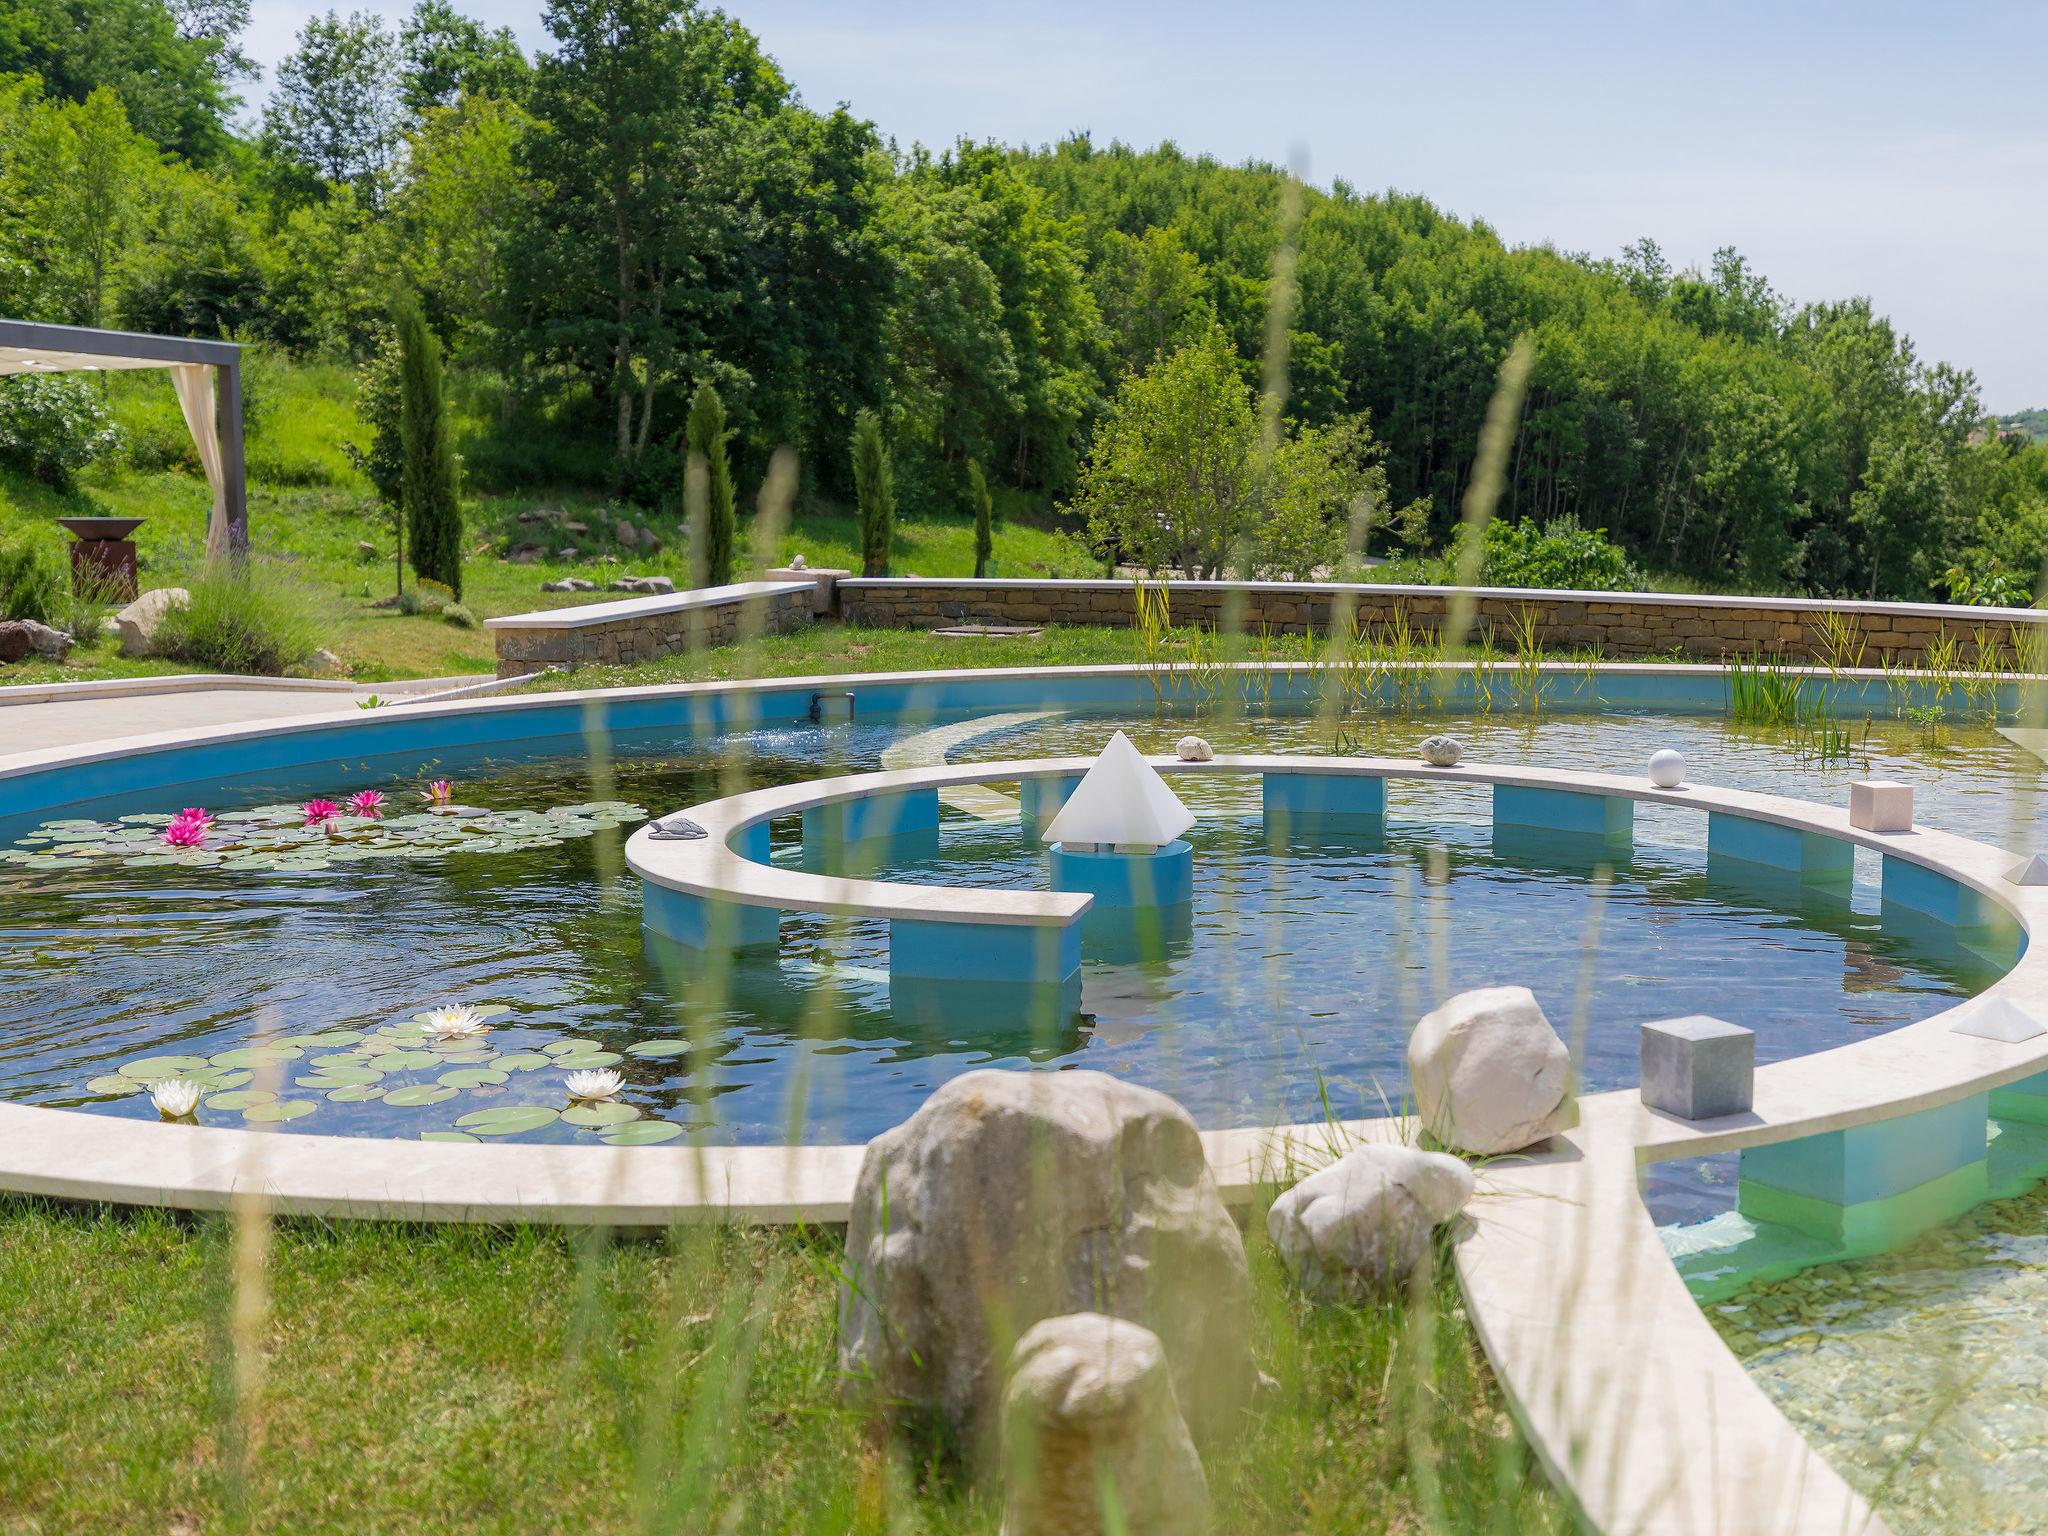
{"type": "Point", "coordinates": [622, 634]}
{"type": "Point", "coordinates": [1620, 625]}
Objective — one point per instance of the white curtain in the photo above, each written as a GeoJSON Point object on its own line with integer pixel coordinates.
{"type": "Point", "coordinates": [194, 384]}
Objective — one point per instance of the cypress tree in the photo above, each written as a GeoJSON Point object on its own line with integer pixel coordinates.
{"type": "Point", "coordinates": [984, 517]}
{"type": "Point", "coordinates": [707, 437]}
{"type": "Point", "coordinates": [874, 493]}
{"type": "Point", "coordinates": [427, 497]}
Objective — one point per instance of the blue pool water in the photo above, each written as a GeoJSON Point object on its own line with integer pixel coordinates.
{"type": "Point", "coordinates": [1287, 993]}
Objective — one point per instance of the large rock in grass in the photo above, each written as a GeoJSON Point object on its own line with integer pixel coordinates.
{"type": "Point", "coordinates": [1365, 1222]}
{"type": "Point", "coordinates": [23, 638]}
{"type": "Point", "coordinates": [1489, 1073]}
{"type": "Point", "coordinates": [1089, 1417]}
{"type": "Point", "coordinates": [140, 620]}
{"type": "Point", "coordinates": [1014, 1196]}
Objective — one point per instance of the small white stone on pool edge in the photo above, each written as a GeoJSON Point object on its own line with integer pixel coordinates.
{"type": "Point", "coordinates": [1442, 751]}
{"type": "Point", "coordinates": [1667, 769]}
{"type": "Point", "coordinates": [1192, 749]}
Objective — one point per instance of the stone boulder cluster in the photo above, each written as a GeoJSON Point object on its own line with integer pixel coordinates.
{"type": "Point", "coordinates": [1040, 1267]}
{"type": "Point", "coordinates": [550, 533]}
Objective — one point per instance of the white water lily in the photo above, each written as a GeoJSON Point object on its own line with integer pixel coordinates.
{"type": "Point", "coordinates": [594, 1083]}
{"type": "Point", "coordinates": [457, 1021]}
{"type": "Point", "coordinates": [174, 1098]}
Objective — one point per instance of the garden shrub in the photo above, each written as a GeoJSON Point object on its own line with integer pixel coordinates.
{"type": "Point", "coordinates": [52, 427]}
{"type": "Point", "coordinates": [245, 616]}
{"type": "Point", "coordinates": [459, 616]}
{"type": "Point", "coordinates": [1559, 554]}
{"type": "Point", "coordinates": [425, 596]}
{"type": "Point", "coordinates": [32, 584]}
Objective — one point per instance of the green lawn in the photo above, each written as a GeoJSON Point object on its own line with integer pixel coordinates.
{"type": "Point", "coordinates": [455, 1379]}
{"type": "Point", "coordinates": [310, 511]}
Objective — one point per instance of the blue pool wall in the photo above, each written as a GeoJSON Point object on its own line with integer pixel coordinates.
{"type": "Point", "coordinates": [709, 710]}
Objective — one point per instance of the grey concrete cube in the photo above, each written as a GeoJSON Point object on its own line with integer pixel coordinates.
{"type": "Point", "coordinates": [1698, 1068]}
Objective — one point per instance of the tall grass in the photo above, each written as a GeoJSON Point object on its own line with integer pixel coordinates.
{"type": "Point", "coordinates": [1770, 692]}
{"type": "Point", "coordinates": [247, 617]}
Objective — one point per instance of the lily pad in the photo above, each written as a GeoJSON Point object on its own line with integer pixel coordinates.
{"type": "Point", "coordinates": [355, 1093]}
{"type": "Point", "coordinates": [508, 1120]}
{"type": "Point", "coordinates": [326, 1037]}
{"type": "Point", "coordinates": [640, 1133]}
{"type": "Point", "coordinates": [115, 1085]}
{"type": "Point", "coordinates": [341, 1077]}
{"type": "Point", "coordinates": [256, 1055]}
{"type": "Point", "coordinates": [471, 1077]}
{"type": "Point", "coordinates": [605, 1112]}
{"type": "Point", "coordinates": [218, 1077]}
{"type": "Point", "coordinates": [446, 1136]}
{"type": "Point", "coordinates": [415, 1095]}
{"type": "Point", "coordinates": [656, 1050]}
{"type": "Point", "coordinates": [585, 1060]}
{"type": "Point", "coordinates": [401, 1061]}
{"type": "Point", "coordinates": [523, 1061]}
{"type": "Point", "coordinates": [240, 1098]}
{"type": "Point", "coordinates": [151, 1069]}
{"type": "Point", "coordinates": [270, 1114]}
{"type": "Point", "coordinates": [571, 1047]}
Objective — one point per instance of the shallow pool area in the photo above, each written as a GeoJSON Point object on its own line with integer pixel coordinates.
{"type": "Point", "coordinates": [1918, 1373]}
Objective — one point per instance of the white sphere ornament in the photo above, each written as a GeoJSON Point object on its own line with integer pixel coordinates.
{"type": "Point", "coordinates": [1667, 769]}
{"type": "Point", "coordinates": [1192, 749]}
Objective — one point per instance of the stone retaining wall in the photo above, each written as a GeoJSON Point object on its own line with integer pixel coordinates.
{"type": "Point", "coordinates": [1618, 624]}
{"type": "Point", "coordinates": [644, 629]}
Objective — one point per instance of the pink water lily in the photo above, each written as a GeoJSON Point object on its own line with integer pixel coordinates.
{"type": "Point", "coordinates": [440, 792]}
{"type": "Point", "coordinates": [318, 811]}
{"type": "Point", "coordinates": [366, 802]}
{"type": "Point", "coordinates": [188, 828]}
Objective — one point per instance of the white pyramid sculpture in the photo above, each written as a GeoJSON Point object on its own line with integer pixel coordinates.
{"type": "Point", "coordinates": [2032, 870]}
{"type": "Point", "coordinates": [1999, 1019]}
{"type": "Point", "coordinates": [1121, 801]}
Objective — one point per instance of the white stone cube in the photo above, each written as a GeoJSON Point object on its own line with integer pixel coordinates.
{"type": "Point", "coordinates": [1698, 1068]}
{"type": "Point", "coordinates": [1880, 805]}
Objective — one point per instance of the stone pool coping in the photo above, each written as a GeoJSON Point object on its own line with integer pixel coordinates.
{"type": "Point", "coordinates": [1622, 1386]}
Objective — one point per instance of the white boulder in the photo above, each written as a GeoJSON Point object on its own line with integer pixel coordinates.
{"type": "Point", "coordinates": [1364, 1223]}
{"type": "Point", "coordinates": [1442, 751]}
{"type": "Point", "coordinates": [1193, 749]}
{"type": "Point", "coordinates": [1014, 1196]}
{"type": "Point", "coordinates": [1489, 1073]}
{"type": "Point", "coordinates": [1090, 1416]}
{"type": "Point", "coordinates": [140, 620]}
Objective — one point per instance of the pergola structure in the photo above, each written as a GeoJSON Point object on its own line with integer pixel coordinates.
{"type": "Point", "coordinates": [207, 376]}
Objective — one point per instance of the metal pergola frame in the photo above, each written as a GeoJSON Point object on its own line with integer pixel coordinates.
{"type": "Point", "coordinates": [28, 347]}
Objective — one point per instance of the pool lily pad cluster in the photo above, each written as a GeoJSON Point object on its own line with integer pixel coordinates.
{"type": "Point", "coordinates": [279, 837]}
{"type": "Point", "coordinates": [406, 1065]}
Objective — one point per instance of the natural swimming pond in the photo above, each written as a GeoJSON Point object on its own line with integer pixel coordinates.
{"type": "Point", "coordinates": [306, 960]}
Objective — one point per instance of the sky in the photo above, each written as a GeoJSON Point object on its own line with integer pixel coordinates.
{"type": "Point", "coordinates": [1898, 151]}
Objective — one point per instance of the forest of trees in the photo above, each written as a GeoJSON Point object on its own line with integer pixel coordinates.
{"type": "Point", "coordinates": [648, 205]}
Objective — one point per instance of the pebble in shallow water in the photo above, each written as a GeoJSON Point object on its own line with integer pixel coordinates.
{"type": "Point", "coordinates": [1919, 1374]}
